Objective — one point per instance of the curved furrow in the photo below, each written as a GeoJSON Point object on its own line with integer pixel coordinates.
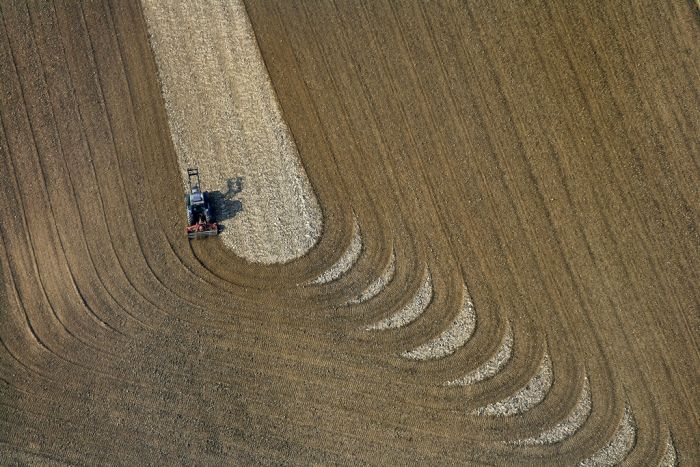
{"type": "Point", "coordinates": [22, 379]}
{"type": "Point", "coordinates": [526, 398]}
{"type": "Point", "coordinates": [57, 356]}
{"type": "Point", "coordinates": [412, 310]}
{"type": "Point", "coordinates": [33, 372]}
{"type": "Point", "coordinates": [117, 137]}
{"type": "Point", "coordinates": [619, 446]}
{"type": "Point", "coordinates": [492, 365]}
{"type": "Point", "coordinates": [51, 320]}
{"type": "Point", "coordinates": [218, 303]}
{"type": "Point", "coordinates": [567, 427]}
{"type": "Point", "coordinates": [379, 283]}
{"type": "Point", "coordinates": [44, 347]}
{"type": "Point", "coordinates": [346, 261]}
{"type": "Point", "coordinates": [54, 275]}
{"type": "Point", "coordinates": [72, 149]}
{"type": "Point", "coordinates": [19, 339]}
{"type": "Point", "coordinates": [59, 193]}
{"type": "Point", "coordinates": [143, 263]}
{"type": "Point", "coordinates": [455, 336]}
{"type": "Point", "coordinates": [96, 143]}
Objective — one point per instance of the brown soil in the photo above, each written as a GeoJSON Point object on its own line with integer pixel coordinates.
{"type": "Point", "coordinates": [545, 155]}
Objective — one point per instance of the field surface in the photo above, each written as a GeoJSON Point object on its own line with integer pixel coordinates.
{"type": "Point", "coordinates": [507, 271]}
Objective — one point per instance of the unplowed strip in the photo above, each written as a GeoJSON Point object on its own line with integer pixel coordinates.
{"type": "Point", "coordinates": [224, 118]}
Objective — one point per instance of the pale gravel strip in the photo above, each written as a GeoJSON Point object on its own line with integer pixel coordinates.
{"type": "Point", "coordinates": [670, 459]}
{"type": "Point", "coordinates": [619, 446]}
{"type": "Point", "coordinates": [459, 332]}
{"type": "Point", "coordinates": [378, 285]}
{"type": "Point", "coordinates": [492, 366]}
{"type": "Point", "coordinates": [346, 261]}
{"type": "Point", "coordinates": [526, 398]}
{"type": "Point", "coordinates": [225, 119]}
{"type": "Point", "coordinates": [412, 310]}
{"type": "Point", "coordinates": [567, 427]}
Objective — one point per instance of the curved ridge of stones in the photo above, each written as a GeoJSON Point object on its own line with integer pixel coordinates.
{"type": "Point", "coordinates": [619, 446]}
{"type": "Point", "coordinates": [526, 398]}
{"type": "Point", "coordinates": [492, 366]}
{"type": "Point", "coordinates": [412, 310]}
{"type": "Point", "coordinates": [567, 427]}
{"type": "Point", "coordinates": [670, 458]}
{"type": "Point", "coordinates": [346, 261]}
{"type": "Point", "coordinates": [226, 120]}
{"type": "Point", "coordinates": [379, 283]}
{"type": "Point", "coordinates": [456, 335]}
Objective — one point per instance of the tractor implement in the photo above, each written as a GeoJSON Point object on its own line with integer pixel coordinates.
{"type": "Point", "coordinates": [203, 230]}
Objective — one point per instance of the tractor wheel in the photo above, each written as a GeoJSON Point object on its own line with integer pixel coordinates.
{"type": "Point", "coordinates": [190, 217]}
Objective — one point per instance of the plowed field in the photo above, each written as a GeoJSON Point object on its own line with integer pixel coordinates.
{"type": "Point", "coordinates": [507, 274]}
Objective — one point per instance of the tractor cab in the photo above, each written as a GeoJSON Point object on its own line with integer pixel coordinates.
{"type": "Point", "coordinates": [196, 197]}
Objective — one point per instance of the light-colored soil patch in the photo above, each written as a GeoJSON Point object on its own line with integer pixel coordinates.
{"type": "Point", "coordinates": [412, 310]}
{"type": "Point", "coordinates": [378, 285]}
{"type": "Point", "coordinates": [459, 332]}
{"type": "Point", "coordinates": [671, 457]}
{"type": "Point", "coordinates": [620, 445]}
{"type": "Point", "coordinates": [346, 261]}
{"type": "Point", "coordinates": [526, 398]}
{"type": "Point", "coordinates": [567, 427]}
{"type": "Point", "coordinates": [225, 119]}
{"type": "Point", "coordinates": [492, 366]}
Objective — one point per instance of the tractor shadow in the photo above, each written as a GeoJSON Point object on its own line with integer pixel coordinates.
{"type": "Point", "coordinates": [224, 204]}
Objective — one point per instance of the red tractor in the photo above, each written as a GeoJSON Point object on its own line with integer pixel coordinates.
{"type": "Point", "coordinates": [200, 217]}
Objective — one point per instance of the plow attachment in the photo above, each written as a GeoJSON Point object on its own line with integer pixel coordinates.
{"type": "Point", "coordinates": [202, 230]}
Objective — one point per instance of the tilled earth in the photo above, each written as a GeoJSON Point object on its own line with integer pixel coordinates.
{"type": "Point", "coordinates": [537, 161]}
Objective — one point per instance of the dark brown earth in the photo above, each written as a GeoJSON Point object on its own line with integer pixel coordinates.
{"type": "Point", "coordinates": [544, 154]}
